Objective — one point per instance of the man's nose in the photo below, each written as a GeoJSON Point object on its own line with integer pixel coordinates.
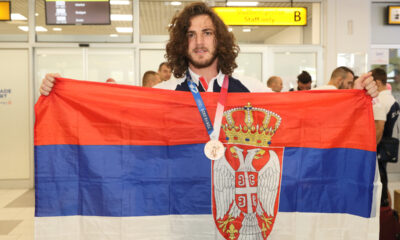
{"type": "Point", "coordinates": [199, 38]}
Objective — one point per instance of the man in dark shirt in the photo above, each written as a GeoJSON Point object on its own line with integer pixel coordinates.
{"type": "Point", "coordinates": [197, 49]}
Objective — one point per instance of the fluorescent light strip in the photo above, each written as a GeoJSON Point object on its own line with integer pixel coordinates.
{"type": "Point", "coordinates": [121, 17]}
{"type": "Point", "coordinates": [38, 28]}
{"type": "Point", "coordinates": [23, 28]}
{"type": "Point", "coordinates": [176, 3]}
{"type": "Point", "coordinates": [246, 30]}
{"type": "Point", "coordinates": [120, 2]}
{"type": "Point", "coordinates": [17, 17]}
{"type": "Point", "coordinates": [124, 29]}
{"type": "Point", "coordinates": [57, 29]}
{"type": "Point", "coordinates": [241, 4]}
{"type": "Point", "coordinates": [113, 35]}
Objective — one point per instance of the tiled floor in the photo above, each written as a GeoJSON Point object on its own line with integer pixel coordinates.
{"type": "Point", "coordinates": [17, 207]}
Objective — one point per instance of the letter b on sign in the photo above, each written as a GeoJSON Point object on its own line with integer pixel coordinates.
{"type": "Point", "coordinates": [297, 16]}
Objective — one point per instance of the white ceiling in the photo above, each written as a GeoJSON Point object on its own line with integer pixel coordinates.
{"type": "Point", "coordinates": [154, 20]}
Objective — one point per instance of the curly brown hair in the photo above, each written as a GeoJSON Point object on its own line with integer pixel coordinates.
{"type": "Point", "coordinates": [226, 47]}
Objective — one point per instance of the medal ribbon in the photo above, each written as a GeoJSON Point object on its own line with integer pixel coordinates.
{"type": "Point", "coordinates": [204, 83]}
{"type": "Point", "coordinates": [214, 134]}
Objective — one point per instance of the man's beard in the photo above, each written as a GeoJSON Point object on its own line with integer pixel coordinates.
{"type": "Point", "coordinates": [204, 64]}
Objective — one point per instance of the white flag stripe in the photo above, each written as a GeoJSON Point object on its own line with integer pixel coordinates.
{"type": "Point", "coordinates": [288, 226]}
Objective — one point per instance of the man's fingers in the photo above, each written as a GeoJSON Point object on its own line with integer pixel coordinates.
{"type": "Point", "coordinates": [365, 79]}
{"type": "Point", "coordinates": [43, 91]}
{"type": "Point", "coordinates": [373, 91]}
{"type": "Point", "coordinates": [46, 88]}
{"type": "Point", "coordinates": [369, 82]}
{"type": "Point", "coordinates": [48, 84]}
{"type": "Point", "coordinates": [371, 87]}
{"type": "Point", "coordinates": [51, 76]}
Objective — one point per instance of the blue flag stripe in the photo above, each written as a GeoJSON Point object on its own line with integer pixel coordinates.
{"type": "Point", "coordinates": [162, 180]}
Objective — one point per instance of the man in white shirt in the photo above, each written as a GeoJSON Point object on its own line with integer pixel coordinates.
{"type": "Point", "coordinates": [386, 112]}
{"type": "Point", "coordinates": [275, 83]}
{"type": "Point", "coordinates": [341, 78]}
{"type": "Point", "coordinates": [164, 70]}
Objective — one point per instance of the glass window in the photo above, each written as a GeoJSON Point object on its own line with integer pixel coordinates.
{"type": "Point", "coordinates": [298, 62]}
{"type": "Point", "coordinates": [120, 29]}
{"type": "Point", "coordinates": [67, 62]}
{"type": "Point", "coordinates": [15, 30]}
{"type": "Point", "coordinates": [106, 63]}
{"type": "Point", "coordinates": [392, 69]}
{"type": "Point", "coordinates": [355, 61]}
{"type": "Point", "coordinates": [150, 60]}
{"type": "Point", "coordinates": [249, 65]}
{"type": "Point", "coordinates": [155, 16]}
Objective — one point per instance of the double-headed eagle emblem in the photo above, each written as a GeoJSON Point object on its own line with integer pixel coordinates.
{"type": "Point", "coordinates": [246, 181]}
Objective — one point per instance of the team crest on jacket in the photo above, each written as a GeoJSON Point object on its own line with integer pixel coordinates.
{"type": "Point", "coordinates": [247, 179]}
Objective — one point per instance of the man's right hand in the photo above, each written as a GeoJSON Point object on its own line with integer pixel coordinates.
{"type": "Point", "coordinates": [47, 83]}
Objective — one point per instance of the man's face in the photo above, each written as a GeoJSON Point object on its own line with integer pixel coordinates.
{"type": "Point", "coordinates": [165, 73]}
{"type": "Point", "coordinates": [303, 86]}
{"type": "Point", "coordinates": [201, 42]}
{"type": "Point", "coordinates": [156, 80]}
{"type": "Point", "coordinates": [347, 83]}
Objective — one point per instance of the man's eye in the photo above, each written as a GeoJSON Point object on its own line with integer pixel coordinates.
{"type": "Point", "coordinates": [208, 33]}
{"type": "Point", "coordinates": [190, 35]}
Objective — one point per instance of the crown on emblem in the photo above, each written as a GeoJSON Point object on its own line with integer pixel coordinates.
{"type": "Point", "coordinates": [251, 133]}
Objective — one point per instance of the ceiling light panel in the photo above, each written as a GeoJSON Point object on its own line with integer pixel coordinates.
{"type": "Point", "coordinates": [241, 4]}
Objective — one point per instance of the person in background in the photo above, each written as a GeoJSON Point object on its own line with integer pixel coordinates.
{"type": "Point", "coordinates": [275, 83]}
{"type": "Point", "coordinates": [386, 113]}
{"type": "Point", "coordinates": [111, 80]}
{"type": "Point", "coordinates": [150, 78]}
{"type": "Point", "coordinates": [164, 70]}
{"type": "Point", "coordinates": [303, 81]}
{"type": "Point", "coordinates": [201, 50]}
{"type": "Point", "coordinates": [341, 78]}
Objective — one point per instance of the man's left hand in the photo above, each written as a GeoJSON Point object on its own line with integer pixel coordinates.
{"type": "Point", "coordinates": [367, 82]}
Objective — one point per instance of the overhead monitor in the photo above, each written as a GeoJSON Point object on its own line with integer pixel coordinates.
{"type": "Point", "coordinates": [73, 12]}
{"type": "Point", "coordinates": [262, 16]}
{"type": "Point", "coordinates": [394, 14]}
{"type": "Point", "coordinates": [5, 11]}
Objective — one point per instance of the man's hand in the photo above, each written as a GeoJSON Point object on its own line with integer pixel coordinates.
{"type": "Point", "coordinates": [366, 82]}
{"type": "Point", "coordinates": [47, 83]}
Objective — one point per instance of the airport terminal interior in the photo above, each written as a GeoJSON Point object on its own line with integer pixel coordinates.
{"type": "Point", "coordinates": [128, 37]}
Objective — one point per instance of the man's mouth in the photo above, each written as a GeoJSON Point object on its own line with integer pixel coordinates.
{"type": "Point", "coordinates": [200, 50]}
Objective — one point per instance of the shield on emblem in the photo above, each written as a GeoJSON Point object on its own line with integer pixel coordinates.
{"type": "Point", "coordinates": [243, 187]}
{"type": "Point", "coordinates": [246, 191]}
{"type": "Point", "coordinates": [246, 181]}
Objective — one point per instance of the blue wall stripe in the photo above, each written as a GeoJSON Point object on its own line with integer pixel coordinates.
{"type": "Point", "coordinates": [161, 180]}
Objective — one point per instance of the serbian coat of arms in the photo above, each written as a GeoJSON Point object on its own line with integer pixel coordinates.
{"type": "Point", "coordinates": [247, 179]}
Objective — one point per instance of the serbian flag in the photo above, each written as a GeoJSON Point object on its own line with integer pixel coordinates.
{"type": "Point", "coordinates": [125, 162]}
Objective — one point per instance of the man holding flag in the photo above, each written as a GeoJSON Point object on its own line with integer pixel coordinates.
{"type": "Point", "coordinates": [248, 184]}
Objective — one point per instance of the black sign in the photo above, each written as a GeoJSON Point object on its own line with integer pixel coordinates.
{"type": "Point", "coordinates": [78, 12]}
